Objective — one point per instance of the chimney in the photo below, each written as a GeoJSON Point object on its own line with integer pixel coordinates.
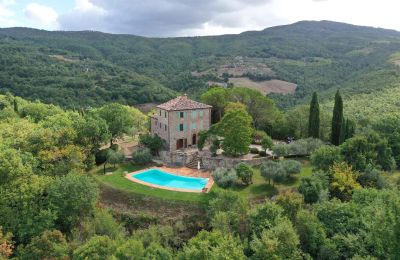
{"type": "Point", "coordinates": [184, 95]}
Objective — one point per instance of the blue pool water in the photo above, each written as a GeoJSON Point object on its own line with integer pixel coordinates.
{"type": "Point", "coordinates": [161, 178]}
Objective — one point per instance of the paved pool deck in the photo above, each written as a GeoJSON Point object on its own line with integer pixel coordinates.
{"type": "Point", "coordinates": [182, 171]}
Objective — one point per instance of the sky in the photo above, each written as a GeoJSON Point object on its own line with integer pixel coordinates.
{"type": "Point", "coordinates": [168, 18]}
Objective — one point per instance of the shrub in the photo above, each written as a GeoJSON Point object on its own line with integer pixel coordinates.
{"type": "Point", "coordinates": [272, 170]}
{"type": "Point", "coordinates": [203, 135]}
{"type": "Point", "coordinates": [154, 143]}
{"type": "Point", "coordinates": [142, 157]}
{"type": "Point", "coordinates": [101, 156]}
{"type": "Point", "coordinates": [258, 136]}
{"type": "Point", "coordinates": [254, 150]}
{"type": "Point", "coordinates": [300, 147]}
{"type": "Point", "coordinates": [262, 153]}
{"type": "Point", "coordinates": [291, 166]}
{"type": "Point", "coordinates": [310, 188]}
{"type": "Point", "coordinates": [115, 157]}
{"type": "Point", "coordinates": [267, 142]}
{"type": "Point", "coordinates": [114, 147]}
{"type": "Point", "coordinates": [224, 177]}
{"type": "Point", "coordinates": [280, 150]}
{"type": "Point", "coordinates": [245, 173]}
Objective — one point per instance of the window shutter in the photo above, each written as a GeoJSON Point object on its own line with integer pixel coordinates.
{"type": "Point", "coordinates": [184, 127]}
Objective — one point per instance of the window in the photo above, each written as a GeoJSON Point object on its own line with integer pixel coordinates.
{"type": "Point", "coordinates": [165, 127]}
{"type": "Point", "coordinates": [194, 125]}
{"type": "Point", "coordinates": [165, 114]}
{"type": "Point", "coordinates": [181, 127]}
{"type": "Point", "coordinates": [160, 112]}
{"type": "Point", "coordinates": [201, 113]}
{"type": "Point", "coordinates": [181, 114]}
{"type": "Point", "coordinates": [160, 125]}
{"type": "Point", "coordinates": [194, 114]}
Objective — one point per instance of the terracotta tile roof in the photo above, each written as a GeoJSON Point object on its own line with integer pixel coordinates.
{"type": "Point", "coordinates": [182, 103]}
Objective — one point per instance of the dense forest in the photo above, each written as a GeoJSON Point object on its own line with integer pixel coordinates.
{"type": "Point", "coordinates": [91, 68]}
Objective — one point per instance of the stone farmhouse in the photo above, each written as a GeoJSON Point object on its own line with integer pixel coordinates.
{"type": "Point", "coordinates": [179, 122]}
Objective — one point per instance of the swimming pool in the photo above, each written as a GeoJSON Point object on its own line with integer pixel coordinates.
{"type": "Point", "coordinates": [169, 180]}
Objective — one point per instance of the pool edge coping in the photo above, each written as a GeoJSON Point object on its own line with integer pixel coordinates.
{"type": "Point", "coordinates": [131, 178]}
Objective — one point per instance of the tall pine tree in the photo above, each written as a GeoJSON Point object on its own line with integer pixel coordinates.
{"type": "Point", "coordinates": [337, 119]}
{"type": "Point", "coordinates": [313, 119]}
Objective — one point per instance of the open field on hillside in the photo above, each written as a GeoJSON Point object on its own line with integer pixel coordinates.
{"type": "Point", "coordinates": [267, 86]}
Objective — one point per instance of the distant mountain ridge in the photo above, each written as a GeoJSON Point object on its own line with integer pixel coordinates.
{"type": "Point", "coordinates": [316, 56]}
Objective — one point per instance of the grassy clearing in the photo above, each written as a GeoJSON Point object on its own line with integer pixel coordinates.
{"type": "Point", "coordinates": [258, 190]}
{"type": "Point", "coordinates": [261, 189]}
{"type": "Point", "coordinates": [118, 181]}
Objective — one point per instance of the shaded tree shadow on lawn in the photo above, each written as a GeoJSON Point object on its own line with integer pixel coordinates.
{"type": "Point", "coordinates": [256, 190]}
{"type": "Point", "coordinates": [263, 188]}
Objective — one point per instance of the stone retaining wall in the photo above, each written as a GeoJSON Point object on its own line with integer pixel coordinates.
{"type": "Point", "coordinates": [178, 159]}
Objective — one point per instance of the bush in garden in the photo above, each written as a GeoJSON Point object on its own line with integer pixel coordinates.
{"type": "Point", "coordinates": [254, 150]}
{"type": "Point", "coordinates": [298, 148]}
{"type": "Point", "coordinates": [291, 166]}
{"type": "Point", "coordinates": [101, 156]}
{"type": "Point", "coordinates": [142, 156]}
{"type": "Point", "coordinates": [224, 177]}
{"type": "Point", "coordinates": [258, 136]}
{"type": "Point", "coordinates": [267, 142]}
{"type": "Point", "coordinates": [245, 173]}
{"type": "Point", "coordinates": [154, 143]}
{"type": "Point", "coordinates": [272, 170]}
{"type": "Point", "coordinates": [262, 153]}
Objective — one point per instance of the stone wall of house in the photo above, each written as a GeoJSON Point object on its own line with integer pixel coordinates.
{"type": "Point", "coordinates": [165, 124]}
{"type": "Point", "coordinates": [193, 122]}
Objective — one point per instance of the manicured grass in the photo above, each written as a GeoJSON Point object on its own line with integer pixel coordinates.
{"type": "Point", "coordinates": [258, 190]}
{"type": "Point", "coordinates": [118, 181]}
{"type": "Point", "coordinates": [261, 189]}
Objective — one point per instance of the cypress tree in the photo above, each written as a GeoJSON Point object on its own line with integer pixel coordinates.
{"type": "Point", "coordinates": [343, 131]}
{"type": "Point", "coordinates": [337, 119]}
{"type": "Point", "coordinates": [313, 119]}
{"type": "Point", "coordinates": [15, 103]}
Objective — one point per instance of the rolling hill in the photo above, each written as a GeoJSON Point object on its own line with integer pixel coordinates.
{"type": "Point", "coordinates": [88, 68]}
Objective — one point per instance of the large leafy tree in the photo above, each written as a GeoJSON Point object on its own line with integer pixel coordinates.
{"type": "Point", "coordinates": [324, 157]}
{"type": "Point", "coordinates": [344, 181]}
{"type": "Point", "coordinates": [337, 119]}
{"type": "Point", "coordinates": [370, 148]}
{"type": "Point", "coordinates": [49, 245]}
{"type": "Point", "coordinates": [279, 242]}
{"type": "Point", "coordinates": [218, 98]}
{"type": "Point", "coordinates": [92, 131]}
{"type": "Point", "coordinates": [25, 209]}
{"type": "Point", "coordinates": [234, 206]}
{"type": "Point", "coordinates": [212, 245]}
{"type": "Point", "coordinates": [236, 129]}
{"type": "Point", "coordinates": [264, 217]}
{"type": "Point", "coordinates": [74, 196]}
{"type": "Point", "coordinates": [313, 119]}
{"type": "Point", "coordinates": [118, 118]}
{"type": "Point", "coordinates": [311, 232]}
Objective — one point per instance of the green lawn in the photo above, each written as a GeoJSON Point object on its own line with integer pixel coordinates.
{"type": "Point", "coordinates": [259, 189]}
{"type": "Point", "coordinates": [118, 181]}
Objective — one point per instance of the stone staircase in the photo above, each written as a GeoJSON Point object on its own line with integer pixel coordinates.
{"type": "Point", "coordinates": [193, 163]}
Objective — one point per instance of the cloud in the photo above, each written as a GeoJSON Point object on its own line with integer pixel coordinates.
{"type": "Point", "coordinates": [208, 17]}
{"type": "Point", "coordinates": [161, 17]}
{"type": "Point", "coordinates": [42, 15]}
{"type": "Point", "coordinates": [6, 15]}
